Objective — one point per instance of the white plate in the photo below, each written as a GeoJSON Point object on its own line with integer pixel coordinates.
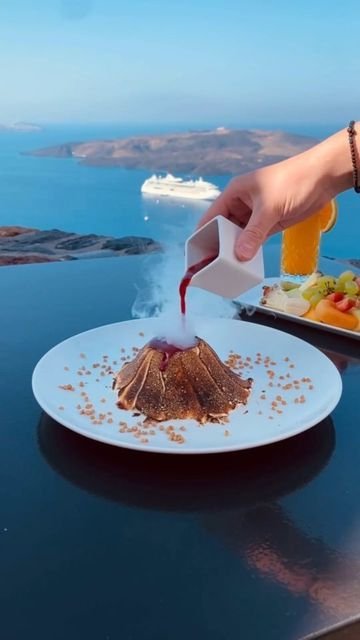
{"type": "Point", "coordinates": [251, 300]}
{"type": "Point", "coordinates": [248, 427]}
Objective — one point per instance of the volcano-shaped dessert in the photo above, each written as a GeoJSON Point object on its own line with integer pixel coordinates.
{"type": "Point", "coordinates": [165, 382]}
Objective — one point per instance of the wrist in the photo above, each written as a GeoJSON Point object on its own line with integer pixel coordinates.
{"type": "Point", "coordinates": [331, 160]}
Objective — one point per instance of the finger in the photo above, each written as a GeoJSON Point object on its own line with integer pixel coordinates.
{"type": "Point", "coordinates": [254, 235]}
{"type": "Point", "coordinates": [218, 208]}
{"type": "Point", "coordinates": [285, 223]}
{"type": "Point", "coordinates": [229, 205]}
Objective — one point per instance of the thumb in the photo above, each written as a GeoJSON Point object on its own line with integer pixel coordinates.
{"type": "Point", "coordinates": [253, 235]}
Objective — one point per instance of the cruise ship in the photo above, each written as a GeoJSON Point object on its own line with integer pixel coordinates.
{"type": "Point", "coordinates": [178, 188]}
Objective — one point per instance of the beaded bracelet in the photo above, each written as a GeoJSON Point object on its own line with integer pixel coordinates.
{"type": "Point", "coordinates": [352, 133]}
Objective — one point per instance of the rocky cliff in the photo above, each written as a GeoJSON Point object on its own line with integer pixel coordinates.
{"type": "Point", "coordinates": [21, 245]}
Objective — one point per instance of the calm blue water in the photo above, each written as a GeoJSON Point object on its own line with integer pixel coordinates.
{"type": "Point", "coordinates": [50, 192]}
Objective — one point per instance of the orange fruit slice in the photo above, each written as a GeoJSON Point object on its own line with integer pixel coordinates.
{"type": "Point", "coordinates": [326, 311]}
{"type": "Point", "coordinates": [328, 216]}
{"type": "Point", "coordinates": [310, 315]}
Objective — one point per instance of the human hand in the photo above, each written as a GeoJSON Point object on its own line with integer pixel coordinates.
{"type": "Point", "coordinates": [270, 199]}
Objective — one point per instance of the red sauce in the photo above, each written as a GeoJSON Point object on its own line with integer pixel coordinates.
{"type": "Point", "coordinates": [168, 350]}
{"type": "Point", "coordinates": [195, 268]}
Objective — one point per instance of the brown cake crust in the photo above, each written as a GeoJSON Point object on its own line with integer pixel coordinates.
{"type": "Point", "coordinates": [194, 384]}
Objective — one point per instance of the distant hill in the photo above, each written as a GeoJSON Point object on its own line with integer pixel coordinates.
{"type": "Point", "coordinates": [220, 151]}
{"type": "Point", "coordinates": [20, 126]}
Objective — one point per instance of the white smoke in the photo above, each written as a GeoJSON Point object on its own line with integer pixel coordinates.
{"type": "Point", "coordinates": [160, 297]}
{"type": "Point", "coordinates": [177, 330]}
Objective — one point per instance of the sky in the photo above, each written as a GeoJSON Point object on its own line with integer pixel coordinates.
{"type": "Point", "coordinates": [223, 61]}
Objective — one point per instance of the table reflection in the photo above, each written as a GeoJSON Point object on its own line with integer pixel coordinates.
{"type": "Point", "coordinates": [184, 482]}
{"type": "Point", "coordinates": [274, 546]}
{"type": "Point", "coordinates": [235, 498]}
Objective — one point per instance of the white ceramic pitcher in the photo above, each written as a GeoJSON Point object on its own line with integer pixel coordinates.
{"type": "Point", "coordinates": [225, 275]}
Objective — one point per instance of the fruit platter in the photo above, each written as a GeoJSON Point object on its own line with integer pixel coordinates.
{"type": "Point", "coordinates": [326, 301]}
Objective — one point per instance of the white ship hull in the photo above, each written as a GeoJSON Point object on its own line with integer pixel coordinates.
{"type": "Point", "coordinates": [178, 188]}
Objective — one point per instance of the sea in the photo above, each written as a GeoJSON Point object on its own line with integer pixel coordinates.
{"type": "Point", "coordinates": [49, 193]}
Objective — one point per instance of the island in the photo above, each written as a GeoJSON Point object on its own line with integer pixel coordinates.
{"type": "Point", "coordinates": [216, 152]}
{"type": "Point", "coordinates": [21, 127]}
{"type": "Point", "coordinates": [23, 245]}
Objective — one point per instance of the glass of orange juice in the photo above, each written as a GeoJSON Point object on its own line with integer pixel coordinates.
{"type": "Point", "coordinates": [300, 248]}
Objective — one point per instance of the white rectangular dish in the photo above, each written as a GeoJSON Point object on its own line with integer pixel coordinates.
{"type": "Point", "coordinates": [251, 300]}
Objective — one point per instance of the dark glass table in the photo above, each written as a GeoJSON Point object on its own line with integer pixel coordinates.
{"type": "Point", "coordinates": [99, 543]}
